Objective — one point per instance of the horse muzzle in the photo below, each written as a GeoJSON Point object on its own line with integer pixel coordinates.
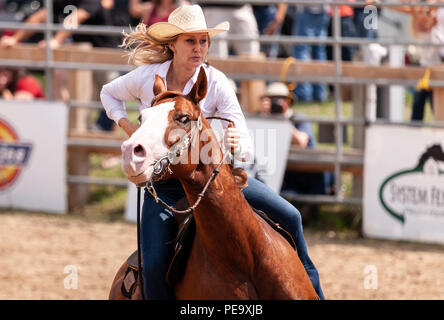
{"type": "Point", "coordinates": [135, 160]}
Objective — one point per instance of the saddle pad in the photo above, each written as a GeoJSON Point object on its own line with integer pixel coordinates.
{"type": "Point", "coordinates": [184, 243]}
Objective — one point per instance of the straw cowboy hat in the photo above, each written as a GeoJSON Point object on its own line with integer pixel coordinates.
{"type": "Point", "coordinates": [185, 19]}
{"type": "Point", "coordinates": [278, 89]}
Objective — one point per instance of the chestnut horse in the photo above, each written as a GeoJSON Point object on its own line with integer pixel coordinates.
{"type": "Point", "coordinates": [235, 253]}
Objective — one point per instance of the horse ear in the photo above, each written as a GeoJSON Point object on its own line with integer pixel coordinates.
{"type": "Point", "coordinates": [199, 90]}
{"type": "Point", "coordinates": [159, 85]}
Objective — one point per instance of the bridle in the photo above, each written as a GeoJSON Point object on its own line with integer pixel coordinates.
{"type": "Point", "coordinates": [163, 165]}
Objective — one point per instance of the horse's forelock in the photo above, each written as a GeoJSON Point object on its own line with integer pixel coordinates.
{"type": "Point", "coordinates": [167, 95]}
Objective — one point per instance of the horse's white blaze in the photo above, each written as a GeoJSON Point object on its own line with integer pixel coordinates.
{"type": "Point", "coordinates": [150, 136]}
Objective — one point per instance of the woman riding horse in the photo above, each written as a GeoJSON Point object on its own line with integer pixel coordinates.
{"type": "Point", "coordinates": [175, 50]}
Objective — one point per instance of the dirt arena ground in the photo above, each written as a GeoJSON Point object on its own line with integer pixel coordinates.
{"type": "Point", "coordinates": [41, 254]}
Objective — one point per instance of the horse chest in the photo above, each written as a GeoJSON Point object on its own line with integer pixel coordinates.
{"type": "Point", "coordinates": [207, 279]}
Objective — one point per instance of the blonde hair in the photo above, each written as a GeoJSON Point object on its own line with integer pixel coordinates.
{"type": "Point", "coordinates": [141, 48]}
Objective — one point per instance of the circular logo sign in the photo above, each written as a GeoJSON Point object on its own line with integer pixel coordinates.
{"type": "Point", "coordinates": [13, 155]}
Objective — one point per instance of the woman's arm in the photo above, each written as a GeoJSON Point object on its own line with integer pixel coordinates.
{"type": "Point", "coordinates": [20, 35]}
{"type": "Point", "coordinates": [114, 94]}
{"type": "Point", "coordinates": [128, 126]}
{"type": "Point", "coordinates": [228, 107]}
{"type": "Point", "coordinates": [278, 19]}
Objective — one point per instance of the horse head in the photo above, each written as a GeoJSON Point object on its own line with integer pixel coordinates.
{"type": "Point", "coordinates": [174, 137]}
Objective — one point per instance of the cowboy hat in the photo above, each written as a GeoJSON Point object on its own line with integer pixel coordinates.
{"type": "Point", "coordinates": [278, 89]}
{"type": "Point", "coordinates": [185, 19]}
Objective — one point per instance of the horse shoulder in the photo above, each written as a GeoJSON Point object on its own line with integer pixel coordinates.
{"type": "Point", "coordinates": [218, 280]}
{"type": "Point", "coordinates": [279, 272]}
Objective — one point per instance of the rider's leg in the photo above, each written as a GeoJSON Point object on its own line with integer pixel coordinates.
{"type": "Point", "coordinates": [158, 228]}
{"type": "Point", "coordinates": [280, 210]}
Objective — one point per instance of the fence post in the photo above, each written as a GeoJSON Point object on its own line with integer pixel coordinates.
{"type": "Point", "coordinates": [359, 97]}
{"type": "Point", "coordinates": [438, 94]}
{"type": "Point", "coordinates": [80, 84]}
{"type": "Point", "coordinates": [438, 103]}
{"type": "Point", "coordinates": [252, 90]}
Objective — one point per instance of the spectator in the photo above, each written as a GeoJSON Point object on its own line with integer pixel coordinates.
{"type": "Point", "coordinates": [242, 22]}
{"type": "Point", "coordinates": [428, 26]}
{"type": "Point", "coordinates": [280, 99]}
{"type": "Point", "coordinates": [348, 29]}
{"type": "Point", "coordinates": [311, 21]}
{"type": "Point", "coordinates": [18, 84]}
{"type": "Point", "coordinates": [153, 11]}
{"type": "Point", "coordinates": [269, 21]}
{"type": "Point", "coordinates": [18, 11]}
{"type": "Point", "coordinates": [87, 12]}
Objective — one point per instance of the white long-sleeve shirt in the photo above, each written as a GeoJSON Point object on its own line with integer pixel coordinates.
{"type": "Point", "coordinates": [137, 85]}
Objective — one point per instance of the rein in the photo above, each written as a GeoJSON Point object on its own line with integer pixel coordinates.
{"type": "Point", "coordinates": [152, 191]}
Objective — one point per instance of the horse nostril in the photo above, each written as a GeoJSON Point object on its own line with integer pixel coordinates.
{"type": "Point", "coordinates": [139, 151]}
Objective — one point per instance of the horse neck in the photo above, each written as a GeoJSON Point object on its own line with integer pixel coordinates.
{"type": "Point", "coordinates": [223, 215]}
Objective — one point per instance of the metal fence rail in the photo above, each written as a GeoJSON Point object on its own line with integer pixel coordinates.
{"type": "Point", "coordinates": [48, 28]}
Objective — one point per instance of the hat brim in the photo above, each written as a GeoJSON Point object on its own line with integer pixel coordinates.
{"type": "Point", "coordinates": [165, 30]}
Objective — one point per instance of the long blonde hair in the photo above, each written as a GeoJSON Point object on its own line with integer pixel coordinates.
{"type": "Point", "coordinates": [142, 49]}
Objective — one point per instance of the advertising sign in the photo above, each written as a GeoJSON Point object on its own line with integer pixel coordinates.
{"type": "Point", "coordinates": [33, 156]}
{"type": "Point", "coordinates": [404, 183]}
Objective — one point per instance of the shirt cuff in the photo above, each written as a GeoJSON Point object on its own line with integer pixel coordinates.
{"type": "Point", "coordinates": [116, 115]}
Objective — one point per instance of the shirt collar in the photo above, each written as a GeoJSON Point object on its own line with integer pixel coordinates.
{"type": "Point", "coordinates": [165, 66]}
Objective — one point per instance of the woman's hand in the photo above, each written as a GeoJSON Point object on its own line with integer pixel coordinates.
{"type": "Point", "coordinates": [231, 139]}
{"type": "Point", "coordinates": [128, 126]}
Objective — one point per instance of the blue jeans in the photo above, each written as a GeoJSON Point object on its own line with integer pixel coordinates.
{"type": "Point", "coordinates": [361, 31]}
{"type": "Point", "coordinates": [420, 98]}
{"type": "Point", "coordinates": [159, 227]}
{"type": "Point", "coordinates": [264, 15]}
{"type": "Point", "coordinates": [310, 24]}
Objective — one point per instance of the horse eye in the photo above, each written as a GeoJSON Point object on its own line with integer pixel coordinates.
{"type": "Point", "coordinates": [183, 119]}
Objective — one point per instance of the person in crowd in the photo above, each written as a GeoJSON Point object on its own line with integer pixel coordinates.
{"type": "Point", "coordinates": [77, 12]}
{"type": "Point", "coordinates": [311, 21]}
{"type": "Point", "coordinates": [87, 12]}
{"type": "Point", "coordinates": [427, 26]}
{"type": "Point", "coordinates": [278, 100]}
{"type": "Point", "coordinates": [153, 11]}
{"type": "Point", "coordinates": [176, 51]}
{"type": "Point", "coordinates": [18, 84]}
{"type": "Point", "coordinates": [242, 22]}
{"type": "Point", "coordinates": [269, 21]}
{"type": "Point", "coordinates": [348, 29]}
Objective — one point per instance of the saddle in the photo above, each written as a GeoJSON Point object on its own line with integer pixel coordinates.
{"type": "Point", "coordinates": [182, 248]}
